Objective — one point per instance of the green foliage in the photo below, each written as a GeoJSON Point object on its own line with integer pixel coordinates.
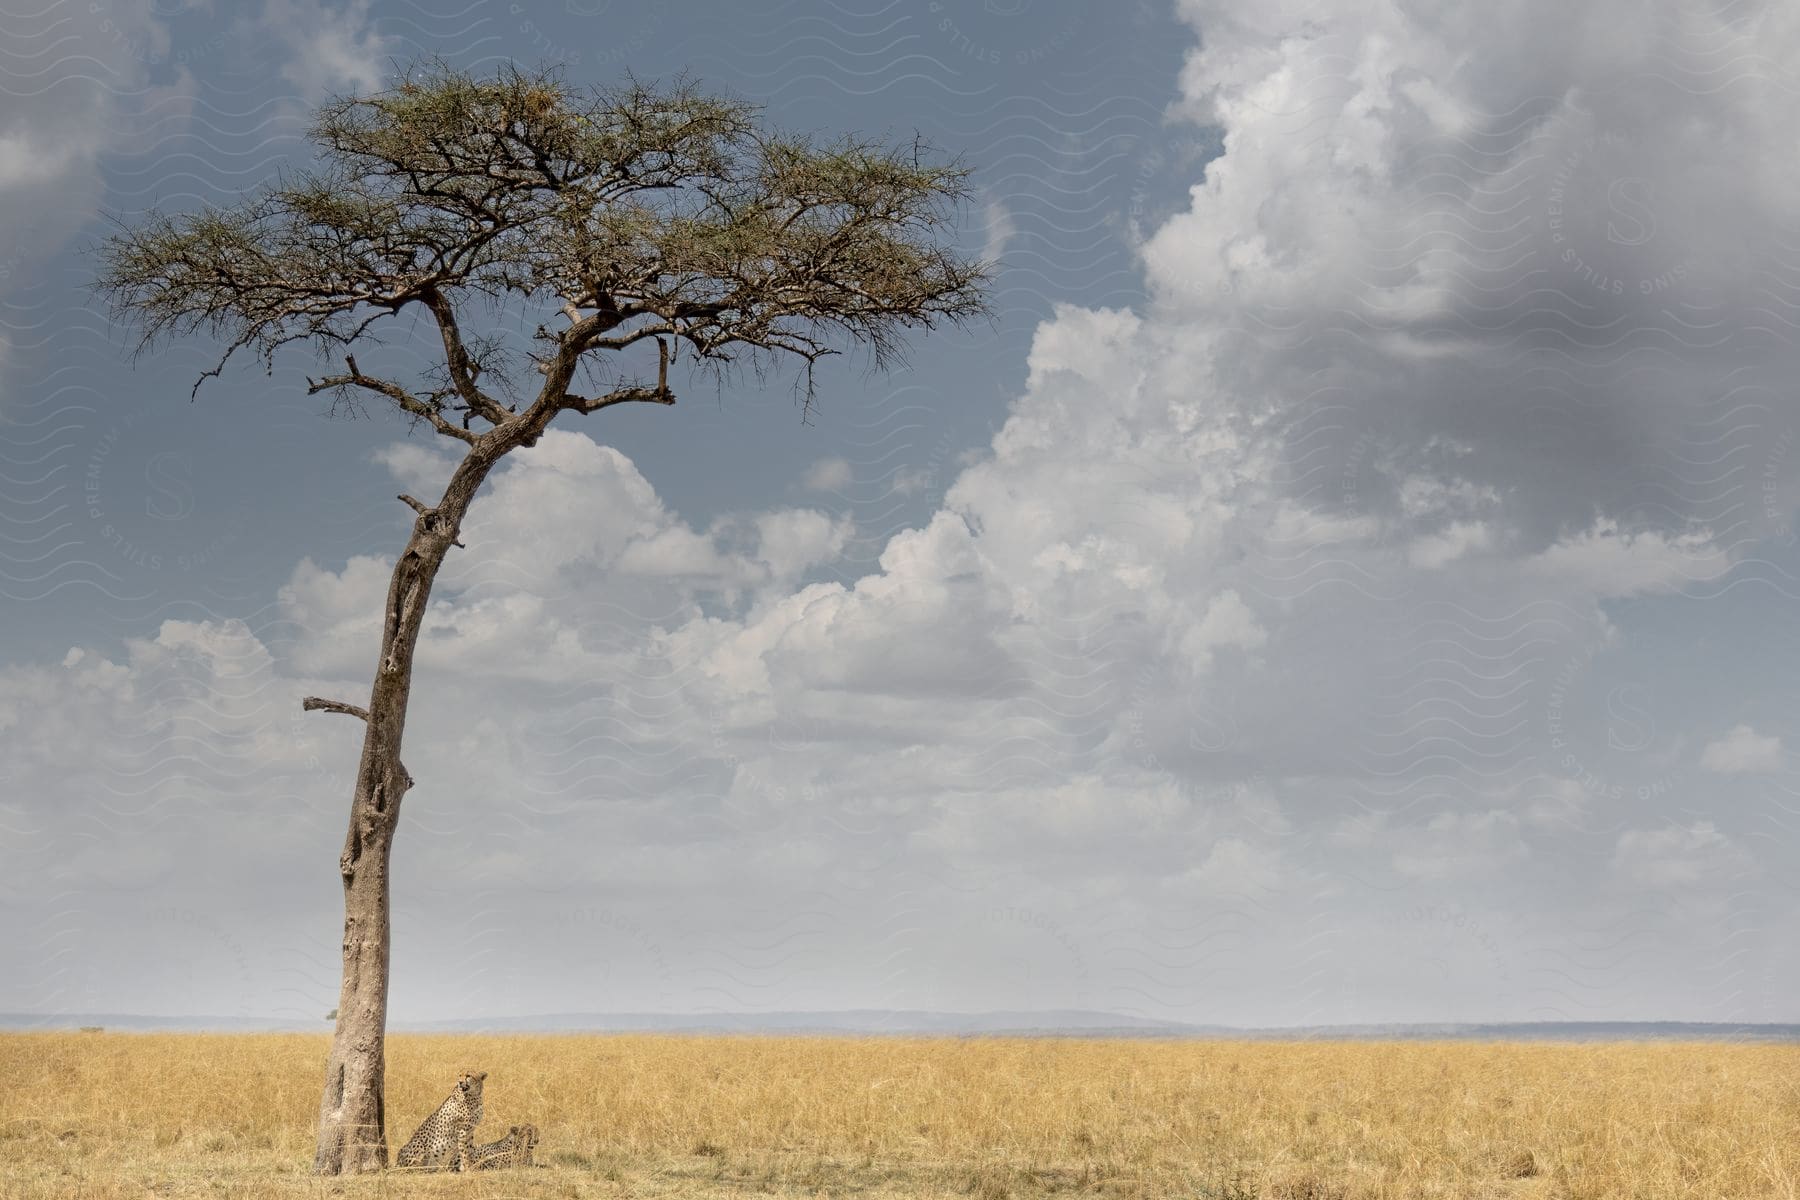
{"type": "Point", "coordinates": [649, 211]}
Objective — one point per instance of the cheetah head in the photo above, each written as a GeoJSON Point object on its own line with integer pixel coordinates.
{"type": "Point", "coordinates": [470, 1084]}
{"type": "Point", "coordinates": [527, 1134]}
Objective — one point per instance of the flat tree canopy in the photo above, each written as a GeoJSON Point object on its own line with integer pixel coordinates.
{"type": "Point", "coordinates": [637, 211]}
{"type": "Point", "coordinates": [606, 216]}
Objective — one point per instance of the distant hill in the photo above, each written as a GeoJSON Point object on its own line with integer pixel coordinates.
{"type": "Point", "coordinates": [1548, 1031]}
{"type": "Point", "coordinates": [876, 1022]}
{"type": "Point", "coordinates": [139, 1023]}
{"type": "Point", "coordinates": [855, 1021]}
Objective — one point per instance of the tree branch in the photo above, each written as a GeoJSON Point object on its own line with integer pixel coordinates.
{"type": "Point", "coordinates": [456, 357]}
{"type": "Point", "coordinates": [620, 396]}
{"type": "Point", "coordinates": [429, 515]}
{"type": "Point", "coordinates": [317, 704]}
{"type": "Point", "coordinates": [393, 391]}
{"type": "Point", "coordinates": [631, 337]}
{"type": "Point", "coordinates": [660, 394]}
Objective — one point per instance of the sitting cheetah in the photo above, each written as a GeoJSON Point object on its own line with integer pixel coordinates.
{"type": "Point", "coordinates": [448, 1135]}
{"type": "Point", "coordinates": [513, 1150]}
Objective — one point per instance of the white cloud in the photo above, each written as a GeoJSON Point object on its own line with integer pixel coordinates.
{"type": "Point", "coordinates": [1457, 846]}
{"type": "Point", "coordinates": [591, 495]}
{"type": "Point", "coordinates": [1228, 622]}
{"type": "Point", "coordinates": [926, 625]}
{"type": "Point", "coordinates": [26, 161]}
{"type": "Point", "coordinates": [998, 228]}
{"type": "Point", "coordinates": [79, 89]}
{"type": "Point", "coordinates": [417, 464]}
{"type": "Point", "coordinates": [332, 48]}
{"type": "Point", "coordinates": [1235, 866]}
{"type": "Point", "coordinates": [177, 714]}
{"type": "Point", "coordinates": [674, 552]}
{"type": "Point", "coordinates": [1743, 751]}
{"type": "Point", "coordinates": [832, 474]}
{"type": "Point", "coordinates": [1605, 561]}
{"type": "Point", "coordinates": [793, 540]}
{"type": "Point", "coordinates": [1695, 855]}
{"type": "Point", "coordinates": [1557, 804]}
{"type": "Point", "coordinates": [1436, 551]}
{"type": "Point", "coordinates": [1082, 817]}
{"type": "Point", "coordinates": [337, 614]}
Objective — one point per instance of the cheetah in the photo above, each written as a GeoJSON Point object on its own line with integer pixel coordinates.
{"type": "Point", "coordinates": [513, 1150]}
{"type": "Point", "coordinates": [448, 1135]}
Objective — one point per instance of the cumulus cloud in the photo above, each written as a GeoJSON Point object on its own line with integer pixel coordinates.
{"type": "Point", "coordinates": [1235, 866]}
{"type": "Point", "coordinates": [1458, 846]}
{"type": "Point", "coordinates": [1696, 855]}
{"type": "Point", "coordinates": [1557, 804]}
{"type": "Point", "coordinates": [78, 88]}
{"type": "Point", "coordinates": [331, 48]}
{"type": "Point", "coordinates": [998, 228]}
{"type": "Point", "coordinates": [1743, 751]}
{"type": "Point", "coordinates": [828, 475]}
{"type": "Point", "coordinates": [795, 539]}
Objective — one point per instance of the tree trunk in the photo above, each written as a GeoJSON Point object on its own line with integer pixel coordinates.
{"type": "Point", "coordinates": [352, 1129]}
{"type": "Point", "coordinates": [352, 1125]}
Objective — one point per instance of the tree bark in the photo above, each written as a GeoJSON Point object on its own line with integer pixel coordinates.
{"type": "Point", "coordinates": [352, 1124]}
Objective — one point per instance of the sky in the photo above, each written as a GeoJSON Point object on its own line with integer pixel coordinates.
{"type": "Point", "coordinates": [1351, 579]}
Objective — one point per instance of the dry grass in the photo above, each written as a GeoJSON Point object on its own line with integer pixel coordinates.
{"type": "Point", "coordinates": [119, 1115]}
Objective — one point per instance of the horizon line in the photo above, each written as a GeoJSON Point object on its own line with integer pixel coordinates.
{"type": "Point", "coordinates": [1055, 1020]}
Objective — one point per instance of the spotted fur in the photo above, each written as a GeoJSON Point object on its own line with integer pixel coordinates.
{"type": "Point", "coordinates": [447, 1137]}
{"type": "Point", "coordinates": [513, 1150]}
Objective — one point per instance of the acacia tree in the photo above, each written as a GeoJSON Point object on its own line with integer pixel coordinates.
{"type": "Point", "coordinates": [633, 216]}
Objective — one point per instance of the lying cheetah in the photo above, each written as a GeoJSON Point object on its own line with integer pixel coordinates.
{"type": "Point", "coordinates": [513, 1150]}
{"type": "Point", "coordinates": [448, 1135]}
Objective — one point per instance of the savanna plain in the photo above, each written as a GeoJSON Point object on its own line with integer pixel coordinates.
{"type": "Point", "coordinates": [106, 1115]}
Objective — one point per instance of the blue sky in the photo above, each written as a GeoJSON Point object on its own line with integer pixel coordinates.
{"type": "Point", "coordinates": [1351, 579]}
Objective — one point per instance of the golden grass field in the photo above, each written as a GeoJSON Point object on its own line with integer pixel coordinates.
{"type": "Point", "coordinates": [106, 1115]}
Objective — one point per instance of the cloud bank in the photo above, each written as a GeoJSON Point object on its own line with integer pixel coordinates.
{"type": "Point", "coordinates": [1294, 653]}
